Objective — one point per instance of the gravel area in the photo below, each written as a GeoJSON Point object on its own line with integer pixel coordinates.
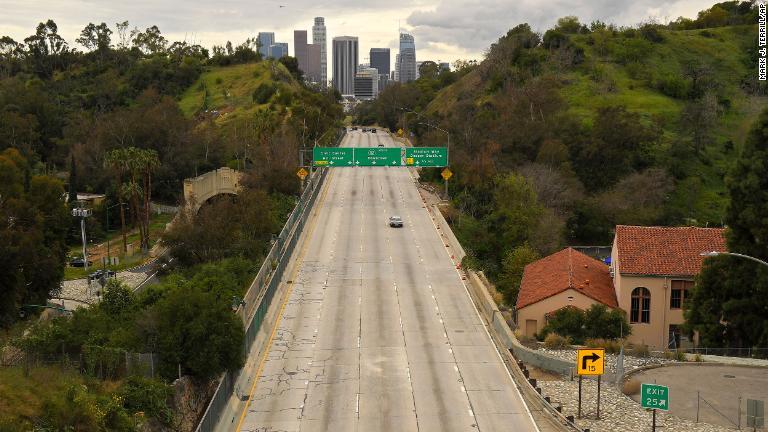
{"type": "Point", "coordinates": [630, 362]}
{"type": "Point", "coordinates": [617, 411]}
{"type": "Point", "coordinates": [78, 289]}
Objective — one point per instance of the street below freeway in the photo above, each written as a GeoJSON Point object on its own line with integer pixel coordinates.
{"type": "Point", "coordinates": [378, 332]}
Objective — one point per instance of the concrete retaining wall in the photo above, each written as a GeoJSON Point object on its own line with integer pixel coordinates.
{"type": "Point", "coordinates": [493, 316]}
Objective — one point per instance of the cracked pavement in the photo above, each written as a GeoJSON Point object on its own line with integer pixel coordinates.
{"type": "Point", "coordinates": [379, 333]}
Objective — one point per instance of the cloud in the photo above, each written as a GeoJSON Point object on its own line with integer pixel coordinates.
{"type": "Point", "coordinates": [444, 29]}
{"type": "Point", "coordinates": [471, 26]}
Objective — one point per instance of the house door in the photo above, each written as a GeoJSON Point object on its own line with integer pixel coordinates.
{"type": "Point", "coordinates": [530, 327]}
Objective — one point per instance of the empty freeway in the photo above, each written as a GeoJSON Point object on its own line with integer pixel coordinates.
{"type": "Point", "coordinates": [378, 332]}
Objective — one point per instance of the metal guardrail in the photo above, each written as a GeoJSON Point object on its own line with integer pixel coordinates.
{"type": "Point", "coordinates": [260, 294]}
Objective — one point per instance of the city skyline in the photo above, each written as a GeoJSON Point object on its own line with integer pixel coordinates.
{"type": "Point", "coordinates": [444, 30]}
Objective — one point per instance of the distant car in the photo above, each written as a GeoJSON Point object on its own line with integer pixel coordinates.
{"type": "Point", "coordinates": [78, 262]}
{"type": "Point", "coordinates": [381, 145]}
{"type": "Point", "coordinates": [365, 130]}
{"type": "Point", "coordinates": [373, 130]}
{"type": "Point", "coordinates": [395, 222]}
{"type": "Point", "coordinates": [99, 273]}
{"type": "Point", "coordinates": [354, 127]}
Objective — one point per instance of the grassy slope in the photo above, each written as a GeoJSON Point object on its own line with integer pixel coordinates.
{"type": "Point", "coordinates": [22, 397]}
{"type": "Point", "coordinates": [702, 195]}
{"type": "Point", "coordinates": [230, 89]}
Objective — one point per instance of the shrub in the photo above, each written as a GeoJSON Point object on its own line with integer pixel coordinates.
{"type": "Point", "coordinates": [631, 387]}
{"type": "Point", "coordinates": [611, 346]}
{"type": "Point", "coordinates": [148, 396]}
{"type": "Point", "coordinates": [263, 93]}
{"type": "Point", "coordinates": [677, 355]}
{"type": "Point", "coordinates": [697, 358]}
{"type": "Point", "coordinates": [640, 350]}
{"type": "Point", "coordinates": [555, 341]}
{"type": "Point", "coordinates": [597, 322]}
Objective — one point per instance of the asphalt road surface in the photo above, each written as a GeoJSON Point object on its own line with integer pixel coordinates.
{"type": "Point", "coordinates": [379, 333]}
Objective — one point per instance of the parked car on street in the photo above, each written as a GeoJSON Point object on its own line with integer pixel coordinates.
{"type": "Point", "coordinates": [79, 262]}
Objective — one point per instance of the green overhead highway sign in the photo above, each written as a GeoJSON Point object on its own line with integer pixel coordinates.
{"type": "Point", "coordinates": [426, 156]}
{"type": "Point", "coordinates": [653, 396]}
{"type": "Point", "coordinates": [378, 156]}
{"type": "Point", "coordinates": [332, 156]}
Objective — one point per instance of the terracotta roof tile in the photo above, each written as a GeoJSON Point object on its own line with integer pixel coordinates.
{"type": "Point", "coordinates": [665, 251]}
{"type": "Point", "coordinates": [564, 270]}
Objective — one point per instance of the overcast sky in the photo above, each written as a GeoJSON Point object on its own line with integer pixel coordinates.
{"type": "Point", "coordinates": [445, 30]}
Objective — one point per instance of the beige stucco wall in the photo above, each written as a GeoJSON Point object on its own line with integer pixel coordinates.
{"type": "Point", "coordinates": [537, 310]}
{"type": "Point", "coordinates": [656, 333]}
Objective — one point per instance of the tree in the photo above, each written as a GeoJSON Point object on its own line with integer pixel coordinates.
{"type": "Point", "coordinates": [96, 37]}
{"type": "Point", "coordinates": [150, 41]}
{"type": "Point", "coordinates": [72, 180]}
{"type": "Point", "coordinates": [116, 162]}
{"type": "Point", "coordinates": [429, 70]}
{"type": "Point", "coordinates": [32, 236]}
{"type": "Point", "coordinates": [512, 271]}
{"type": "Point", "coordinates": [619, 143]}
{"type": "Point", "coordinates": [199, 333]}
{"type": "Point", "coordinates": [729, 302]}
{"type": "Point", "coordinates": [45, 48]}
{"type": "Point", "coordinates": [292, 64]}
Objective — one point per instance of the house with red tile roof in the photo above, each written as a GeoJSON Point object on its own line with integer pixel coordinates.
{"type": "Point", "coordinates": [652, 270]}
{"type": "Point", "coordinates": [567, 278]}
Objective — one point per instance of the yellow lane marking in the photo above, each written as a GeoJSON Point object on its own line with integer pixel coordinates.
{"type": "Point", "coordinates": [296, 267]}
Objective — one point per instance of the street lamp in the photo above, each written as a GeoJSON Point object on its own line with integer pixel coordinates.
{"type": "Point", "coordinates": [751, 258]}
{"type": "Point", "coordinates": [83, 213]}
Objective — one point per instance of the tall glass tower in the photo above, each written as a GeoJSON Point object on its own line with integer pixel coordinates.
{"type": "Point", "coordinates": [407, 60]}
{"type": "Point", "coordinates": [319, 38]}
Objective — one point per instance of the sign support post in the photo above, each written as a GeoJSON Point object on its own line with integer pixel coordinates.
{"type": "Point", "coordinates": [578, 414]}
{"type": "Point", "coordinates": [654, 397]}
{"type": "Point", "coordinates": [590, 362]}
{"type": "Point", "coordinates": [598, 396]}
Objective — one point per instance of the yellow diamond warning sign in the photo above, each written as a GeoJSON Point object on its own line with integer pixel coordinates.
{"type": "Point", "coordinates": [302, 173]}
{"type": "Point", "coordinates": [590, 361]}
{"type": "Point", "coordinates": [447, 173]}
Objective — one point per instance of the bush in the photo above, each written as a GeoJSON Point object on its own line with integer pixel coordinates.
{"type": "Point", "coordinates": [147, 396]}
{"type": "Point", "coordinates": [597, 322]}
{"type": "Point", "coordinates": [677, 355]}
{"type": "Point", "coordinates": [610, 346]}
{"type": "Point", "coordinates": [698, 358]}
{"type": "Point", "coordinates": [631, 387]}
{"type": "Point", "coordinates": [555, 341]}
{"type": "Point", "coordinates": [263, 93]}
{"type": "Point", "coordinates": [198, 331]}
{"type": "Point", "coordinates": [640, 350]}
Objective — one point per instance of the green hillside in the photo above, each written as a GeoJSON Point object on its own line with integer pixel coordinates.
{"type": "Point", "coordinates": [653, 78]}
{"type": "Point", "coordinates": [229, 89]}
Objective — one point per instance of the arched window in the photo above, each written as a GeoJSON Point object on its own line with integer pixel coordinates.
{"type": "Point", "coordinates": [640, 312]}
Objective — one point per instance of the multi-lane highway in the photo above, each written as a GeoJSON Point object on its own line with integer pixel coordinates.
{"type": "Point", "coordinates": [378, 332]}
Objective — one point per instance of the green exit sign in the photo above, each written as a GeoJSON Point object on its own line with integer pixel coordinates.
{"type": "Point", "coordinates": [332, 156]}
{"type": "Point", "coordinates": [426, 156]}
{"type": "Point", "coordinates": [653, 396]}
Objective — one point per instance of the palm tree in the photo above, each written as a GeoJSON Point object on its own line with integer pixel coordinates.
{"type": "Point", "coordinates": [149, 162]}
{"type": "Point", "coordinates": [115, 160]}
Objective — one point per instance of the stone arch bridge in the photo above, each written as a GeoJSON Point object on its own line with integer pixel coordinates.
{"type": "Point", "coordinates": [200, 189]}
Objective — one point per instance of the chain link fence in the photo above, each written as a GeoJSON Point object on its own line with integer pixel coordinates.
{"type": "Point", "coordinates": [92, 360]}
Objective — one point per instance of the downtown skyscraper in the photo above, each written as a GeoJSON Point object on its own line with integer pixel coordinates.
{"type": "Point", "coordinates": [319, 38]}
{"type": "Point", "coordinates": [406, 61]}
{"type": "Point", "coordinates": [345, 57]}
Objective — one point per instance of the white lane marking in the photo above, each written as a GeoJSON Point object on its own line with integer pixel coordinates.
{"type": "Point", "coordinates": [471, 414]}
{"type": "Point", "coordinates": [357, 405]}
{"type": "Point", "coordinates": [463, 389]}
